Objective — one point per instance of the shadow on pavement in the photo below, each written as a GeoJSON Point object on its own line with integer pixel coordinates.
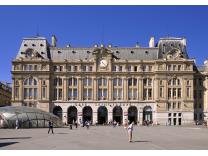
{"type": "Point", "coordinates": [142, 141]}
{"type": "Point", "coordinates": [7, 143]}
{"type": "Point", "coordinates": [16, 138]}
{"type": "Point", "coordinates": [61, 133]}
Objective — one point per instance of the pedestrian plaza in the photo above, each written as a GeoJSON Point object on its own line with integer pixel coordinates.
{"type": "Point", "coordinates": [106, 138]}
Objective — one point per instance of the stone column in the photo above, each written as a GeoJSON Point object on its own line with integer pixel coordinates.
{"type": "Point", "coordinates": [65, 86]}
{"type": "Point", "coordinates": [125, 88]}
{"type": "Point", "coordinates": [110, 89]}
{"type": "Point", "coordinates": [140, 89]}
{"type": "Point", "coordinates": [13, 89]}
{"type": "Point", "coordinates": [94, 114]}
{"type": "Point", "coordinates": [95, 90]}
{"type": "Point", "coordinates": [40, 89]}
{"type": "Point", "coordinates": [79, 88]}
{"type": "Point", "coordinates": [21, 93]}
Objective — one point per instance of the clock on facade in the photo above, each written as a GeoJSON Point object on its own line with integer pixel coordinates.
{"type": "Point", "coordinates": [103, 63]}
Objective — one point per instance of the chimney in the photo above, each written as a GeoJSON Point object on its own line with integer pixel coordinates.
{"type": "Point", "coordinates": [53, 41]}
{"type": "Point", "coordinates": [152, 42]}
{"type": "Point", "coordinates": [137, 45]}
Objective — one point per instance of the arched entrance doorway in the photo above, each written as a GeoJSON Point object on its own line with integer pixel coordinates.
{"type": "Point", "coordinates": [72, 114]}
{"type": "Point", "coordinates": [58, 111]}
{"type": "Point", "coordinates": [117, 114]}
{"type": "Point", "coordinates": [87, 114]}
{"type": "Point", "coordinates": [147, 113]}
{"type": "Point", "coordinates": [132, 114]}
{"type": "Point", "coordinates": [102, 115]}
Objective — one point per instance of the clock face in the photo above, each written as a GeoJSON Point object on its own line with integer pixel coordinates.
{"type": "Point", "coordinates": [103, 63]}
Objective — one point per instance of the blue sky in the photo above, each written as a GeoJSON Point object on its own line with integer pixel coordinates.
{"type": "Point", "coordinates": [83, 26]}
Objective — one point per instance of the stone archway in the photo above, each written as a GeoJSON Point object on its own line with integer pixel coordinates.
{"type": "Point", "coordinates": [71, 114]}
{"type": "Point", "coordinates": [102, 115]}
{"type": "Point", "coordinates": [87, 114]}
{"type": "Point", "coordinates": [132, 114]}
{"type": "Point", "coordinates": [118, 114]}
{"type": "Point", "coordinates": [58, 111]}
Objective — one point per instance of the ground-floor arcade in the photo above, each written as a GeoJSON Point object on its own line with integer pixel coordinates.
{"type": "Point", "coordinates": [105, 113]}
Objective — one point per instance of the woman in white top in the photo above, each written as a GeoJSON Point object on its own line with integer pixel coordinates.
{"type": "Point", "coordinates": [130, 130]}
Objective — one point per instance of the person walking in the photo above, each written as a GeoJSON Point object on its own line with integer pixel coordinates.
{"type": "Point", "coordinates": [50, 126]}
{"type": "Point", "coordinates": [17, 124]}
{"type": "Point", "coordinates": [125, 124]}
{"type": "Point", "coordinates": [130, 131]}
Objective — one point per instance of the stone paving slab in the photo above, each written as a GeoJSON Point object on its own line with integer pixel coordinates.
{"type": "Point", "coordinates": [105, 138]}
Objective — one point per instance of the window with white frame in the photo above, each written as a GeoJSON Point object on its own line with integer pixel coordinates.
{"type": "Point", "coordinates": [87, 89]}
{"type": "Point", "coordinates": [102, 89]}
{"type": "Point", "coordinates": [132, 88]}
{"type": "Point", "coordinates": [72, 88]}
{"type": "Point", "coordinates": [30, 86]}
{"type": "Point", "coordinates": [117, 88]}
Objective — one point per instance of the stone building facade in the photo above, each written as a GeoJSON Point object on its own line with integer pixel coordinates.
{"type": "Point", "coordinates": [5, 94]}
{"type": "Point", "coordinates": [106, 83]}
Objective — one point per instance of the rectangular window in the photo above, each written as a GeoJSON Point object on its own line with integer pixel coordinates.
{"type": "Point", "coordinates": [134, 93]}
{"type": "Point", "coordinates": [174, 92]}
{"type": "Point", "coordinates": [129, 82]}
{"type": "Point", "coordinates": [188, 92]}
{"type": "Point", "coordinates": [179, 92]}
{"type": "Point", "coordinates": [105, 93]}
{"type": "Point", "coordinates": [150, 68]}
{"type": "Point", "coordinates": [150, 93]}
{"type": "Point", "coordinates": [61, 68]}
{"type": "Point", "coordinates": [129, 67]}
{"type": "Point", "coordinates": [35, 93]}
{"type": "Point", "coordinates": [30, 67]}
{"type": "Point", "coordinates": [30, 93]}
{"type": "Point", "coordinates": [174, 105]}
{"type": "Point", "coordinates": [135, 82]}
{"type": "Point", "coordinates": [114, 67]}
{"type": "Point", "coordinates": [60, 82]}
{"type": "Point", "coordinates": [54, 68]}
{"type": "Point", "coordinates": [104, 82]}
{"type": "Point", "coordinates": [114, 93]}
{"type": "Point", "coordinates": [84, 68]}
{"type": "Point", "coordinates": [135, 68]}
{"type": "Point", "coordinates": [69, 68]}
{"type": "Point", "coordinates": [99, 93]}
{"type": "Point", "coordinates": [179, 105]}
{"type": "Point", "coordinates": [25, 93]}
{"type": "Point", "coordinates": [70, 81]}
{"type": "Point", "coordinates": [145, 94]}
{"type": "Point", "coordinates": [89, 93]}
{"type": "Point", "coordinates": [179, 67]}
{"type": "Point", "coordinates": [75, 68]}
{"type": "Point", "coordinates": [44, 92]}
{"type": "Point", "coordinates": [120, 68]}
{"type": "Point", "coordinates": [35, 67]}
{"type": "Point", "coordinates": [161, 92]}
{"type": "Point", "coordinates": [90, 68]}
{"type": "Point", "coordinates": [75, 93]}
{"type": "Point", "coordinates": [75, 82]}
{"type": "Point", "coordinates": [130, 94]}
{"type": "Point", "coordinates": [169, 92]}
{"type": "Point", "coordinates": [174, 67]}
{"type": "Point", "coordinates": [169, 67]}
{"type": "Point", "coordinates": [60, 94]}
{"type": "Point", "coordinates": [70, 93]}
{"type": "Point", "coordinates": [85, 93]}
{"type": "Point", "coordinates": [169, 107]}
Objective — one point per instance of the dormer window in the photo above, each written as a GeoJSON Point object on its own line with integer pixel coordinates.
{"type": "Point", "coordinates": [29, 53]}
{"type": "Point", "coordinates": [146, 52]}
{"type": "Point", "coordinates": [73, 52]}
{"type": "Point", "coordinates": [42, 53]}
{"type": "Point", "coordinates": [41, 45]}
{"type": "Point", "coordinates": [59, 52]}
{"type": "Point", "coordinates": [117, 52]}
{"type": "Point", "coordinates": [25, 45]}
{"type": "Point", "coordinates": [33, 45]}
{"type": "Point", "coordinates": [132, 52]}
{"type": "Point", "coordinates": [88, 52]}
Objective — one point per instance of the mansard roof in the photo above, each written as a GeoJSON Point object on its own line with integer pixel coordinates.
{"type": "Point", "coordinates": [44, 50]}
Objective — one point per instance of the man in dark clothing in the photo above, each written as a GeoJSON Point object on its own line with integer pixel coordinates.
{"type": "Point", "coordinates": [50, 126]}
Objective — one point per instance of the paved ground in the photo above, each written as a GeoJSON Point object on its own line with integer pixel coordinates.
{"type": "Point", "coordinates": [101, 137]}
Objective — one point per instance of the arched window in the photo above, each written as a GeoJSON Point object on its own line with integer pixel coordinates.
{"type": "Point", "coordinates": [102, 89]}
{"type": "Point", "coordinates": [117, 89]}
{"type": "Point", "coordinates": [30, 88]}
